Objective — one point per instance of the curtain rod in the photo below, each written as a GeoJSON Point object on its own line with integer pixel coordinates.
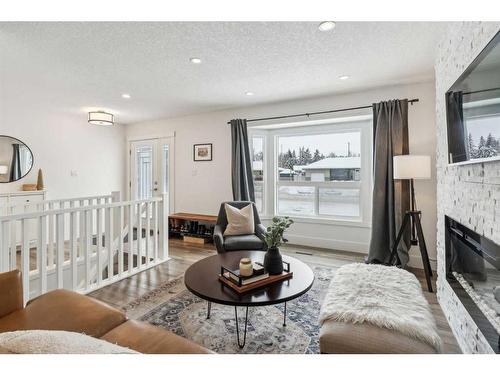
{"type": "Point", "coordinates": [411, 101]}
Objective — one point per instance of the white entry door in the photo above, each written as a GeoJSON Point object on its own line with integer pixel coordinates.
{"type": "Point", "coordinates": [151, 168]}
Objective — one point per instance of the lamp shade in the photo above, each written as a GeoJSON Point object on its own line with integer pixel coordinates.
{"type": "Point", "coordinates": [4, 169]}
{"type": "Point", "coordinates": [101, 118]}
{"type": "Point", "coordinates": [406, 167]}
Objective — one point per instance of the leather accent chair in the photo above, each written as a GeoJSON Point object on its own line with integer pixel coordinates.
{"type": "Point", "coordinates": [243, 242]}
{"type": "Point", "coordinates": [63, 310]}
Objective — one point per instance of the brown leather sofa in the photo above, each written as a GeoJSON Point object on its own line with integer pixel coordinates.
{"type": "Point", "coordinates": [69, 311]}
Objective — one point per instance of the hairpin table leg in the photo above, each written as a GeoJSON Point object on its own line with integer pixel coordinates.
{"type": "Point", "coordinates": [209, 307]}
{"type": "Point", "coordinates": [284, 317]}
{"type": "Point", "coordinates": [241, 345]}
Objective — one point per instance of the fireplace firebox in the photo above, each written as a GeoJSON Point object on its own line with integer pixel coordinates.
{"type": "Point", "coordinates": [473, 272]}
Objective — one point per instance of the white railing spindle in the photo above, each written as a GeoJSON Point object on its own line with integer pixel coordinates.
{"type": "Point", "coordinates": [42, 253]}
{"type": "Point", "coordinates": [155, 228]}
{"type": "Point", "coordinates": [60, 250]}
{"type": "Point", "coordinates": [73, 249]}
{"type": "Point", "coordinates": [25, 259]}
{"type": "Point", "coordinates": [51, 249]}
{"type": "Point", "coordinates": [139, 235]}
{"type": "Point", "coordinates": [87, 248]}
{"type": "Point", "coordinates": [99, 245]}
{"type": "Point", "coordinates": [120, 225]}
{"type": "Point", "coordinates": [109, 240]}
{"type": "Point", "coordinates": [131, 238]}
{"type": "Point", "coordinates": [148, 232]}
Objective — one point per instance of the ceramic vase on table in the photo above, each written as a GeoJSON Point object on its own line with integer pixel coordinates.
{"type": "Point", "coordinates": [273, 263]}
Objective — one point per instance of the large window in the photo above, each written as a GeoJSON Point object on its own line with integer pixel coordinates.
{"type": "Point", "coordinates": [318, 171]}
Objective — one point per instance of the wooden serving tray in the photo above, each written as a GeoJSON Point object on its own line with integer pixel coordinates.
{"type": "Point", "coordinates": [258, 284]}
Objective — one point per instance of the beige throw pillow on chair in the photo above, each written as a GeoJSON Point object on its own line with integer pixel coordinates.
{"type": "Point", "coordinates": [239, 221]}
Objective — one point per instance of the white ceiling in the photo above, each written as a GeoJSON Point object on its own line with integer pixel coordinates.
{"type": "Point", "coordinates": [74, 66]}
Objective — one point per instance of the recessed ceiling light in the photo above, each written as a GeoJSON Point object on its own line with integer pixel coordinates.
{"type": "Point", "coordinates": [343, 78]}
{"type": "Point", "coordinates": [249, 93]}
{"type": "Point", "coordinates": [326, 26]}
{"type": "Point", "coordinates": [126, 96]}
{"type": "Point", "coordinates": [195, 60]}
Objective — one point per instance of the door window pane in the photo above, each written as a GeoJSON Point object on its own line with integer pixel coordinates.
{"type": "Point", "coordinates": [144, 165]}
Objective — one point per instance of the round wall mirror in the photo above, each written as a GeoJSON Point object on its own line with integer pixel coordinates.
{"type": "Point", "coordinates": [16, 159]}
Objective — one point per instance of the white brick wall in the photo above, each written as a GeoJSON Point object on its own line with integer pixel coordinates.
{"type": "Point", "coordinates": [469, 194]}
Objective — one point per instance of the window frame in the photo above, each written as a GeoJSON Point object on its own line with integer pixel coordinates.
{"type": "Point", "coordinates": [272, 183]}
{"type": "Point", "coordinates": [264, 168]}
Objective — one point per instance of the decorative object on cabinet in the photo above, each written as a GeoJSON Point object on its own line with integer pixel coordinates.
{"type": "Point", "coordinates": [39, 181]}
{"type": "Point", "coordinates": [29, 187]}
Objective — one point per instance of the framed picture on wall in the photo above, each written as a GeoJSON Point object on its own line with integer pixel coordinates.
{"type": "Point", "coordinates": [202, 152]}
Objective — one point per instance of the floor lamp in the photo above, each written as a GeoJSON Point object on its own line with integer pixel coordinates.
{"type": "Point", "coordinates": [412, 167]}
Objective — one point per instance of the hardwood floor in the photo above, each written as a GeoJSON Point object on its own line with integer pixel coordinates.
{"type": "Point", "coordinates": [183, 255]}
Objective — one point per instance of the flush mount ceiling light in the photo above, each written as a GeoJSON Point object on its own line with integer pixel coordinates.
{"type": "Point", "coordinates": [195, 60]}
{"type": "Point", "coordinates": [343, 78]}
{"type": "Point", "coordinates": [326, 25]}
{"type": "Point", "coordinates": [249, 93]}
{"type": "Point", "coordinates": [101, 118]}
{"type": "Point", "coordinates": [126, 96]}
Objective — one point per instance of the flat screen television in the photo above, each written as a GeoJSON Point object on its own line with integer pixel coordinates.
{"type": "Point", "coordinates": [473, 109]}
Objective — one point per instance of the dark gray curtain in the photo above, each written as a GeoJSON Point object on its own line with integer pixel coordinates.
{"type": "Point", "coordinates": [457, 139]}
{"type": "Point", "coordinates": [241, 162]}
{"type": "Point", "coordinates": [391, 199]}
{"type": "Point", "coordinates": [15, 166]}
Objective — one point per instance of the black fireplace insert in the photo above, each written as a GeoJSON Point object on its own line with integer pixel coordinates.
{"type": "Point", "coordinates": [473, 272]}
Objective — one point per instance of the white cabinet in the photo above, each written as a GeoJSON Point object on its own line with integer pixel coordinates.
{"type": "Point", "coordinates": [19, 202]}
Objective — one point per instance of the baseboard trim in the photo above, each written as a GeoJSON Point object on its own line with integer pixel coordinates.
{"type": "Point", "coordinates": [415, 260]}
{"type": "Point", "coordinates": [328, 243]}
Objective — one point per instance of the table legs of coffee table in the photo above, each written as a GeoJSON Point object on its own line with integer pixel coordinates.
{"type": "Point", "coordinates": [241, 345]}
{"type": "Point", "coordinates": [209, 308]}
{"type": "Point", "coordinates": [284, 317]}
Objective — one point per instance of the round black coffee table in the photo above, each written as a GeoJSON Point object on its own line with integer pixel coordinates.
{"type": "Point", "coordinates": [201, 279]}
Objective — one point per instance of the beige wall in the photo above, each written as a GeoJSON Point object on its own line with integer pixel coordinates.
{"type": "Point", "coordinates": [201, 186]}
{"type": "Point", "coordinates": [77, 159]}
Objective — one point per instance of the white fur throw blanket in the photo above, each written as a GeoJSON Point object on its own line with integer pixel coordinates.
{"type": "Point", "coordinates": [56, 342]}
{"type": "Point", "coordinates": [387, 297]}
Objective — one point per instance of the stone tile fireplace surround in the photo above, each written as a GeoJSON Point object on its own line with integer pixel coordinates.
{"type": "Point", "coordinates": [470, 194]}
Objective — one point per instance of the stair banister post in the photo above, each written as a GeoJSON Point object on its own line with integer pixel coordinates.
{"type": "Point", "coordinates": [164, 226]}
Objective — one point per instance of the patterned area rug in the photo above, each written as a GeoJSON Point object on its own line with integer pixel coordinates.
{"type": "Point", "coordinates": [173, 307]}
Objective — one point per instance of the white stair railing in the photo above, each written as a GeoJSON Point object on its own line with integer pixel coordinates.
{"type": "Point", "coordinates": [52, 204]}
{"type": "Point", "coordinates": [91, 247]}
